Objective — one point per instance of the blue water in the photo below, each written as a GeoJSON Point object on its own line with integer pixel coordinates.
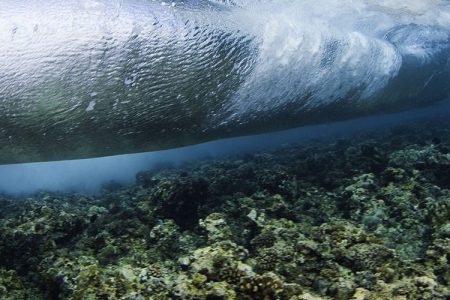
{"type": "Point", "coordinates": [88, 175]}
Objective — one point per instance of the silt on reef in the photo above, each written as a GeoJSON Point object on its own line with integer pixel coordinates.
{"type": "Point", "coordinates": [359, 219]}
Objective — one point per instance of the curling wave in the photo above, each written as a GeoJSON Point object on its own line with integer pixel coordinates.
{"type": "Point", "coordinates": [85, 78]}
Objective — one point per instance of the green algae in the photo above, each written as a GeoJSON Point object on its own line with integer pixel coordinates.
{"type": "Point", "coordinates": [362, 219]}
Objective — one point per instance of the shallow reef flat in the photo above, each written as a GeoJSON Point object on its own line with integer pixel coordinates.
{"type": "Point", "coordinates": [362, 218]}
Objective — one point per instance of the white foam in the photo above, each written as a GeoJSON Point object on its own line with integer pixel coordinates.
{"type": "Point", "coordinates": [317, 52]}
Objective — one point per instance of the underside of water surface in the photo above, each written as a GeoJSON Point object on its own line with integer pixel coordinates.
{"type": "Point", "coordinates": [359, 218]}
{"type": "Point", "coordinates": [85, 78]}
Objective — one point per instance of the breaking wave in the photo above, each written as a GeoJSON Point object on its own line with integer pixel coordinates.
{"type": "Point", "coordinates": [312, 54]}
{"type": "Point", "coordinates": [84, 78]}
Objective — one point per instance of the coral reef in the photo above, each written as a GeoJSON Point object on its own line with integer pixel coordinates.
{"type": "Point", "coordinates": [361, 219]}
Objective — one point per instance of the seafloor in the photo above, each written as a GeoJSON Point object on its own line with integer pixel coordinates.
{"type": "Point", "coordinates": [366, 217]}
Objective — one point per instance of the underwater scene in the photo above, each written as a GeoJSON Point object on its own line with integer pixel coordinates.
{"type": "Point", "coordinates": [224, 149]}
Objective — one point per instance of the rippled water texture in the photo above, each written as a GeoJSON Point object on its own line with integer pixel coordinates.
{"type": "Point", "coordinates": [82, 78]}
